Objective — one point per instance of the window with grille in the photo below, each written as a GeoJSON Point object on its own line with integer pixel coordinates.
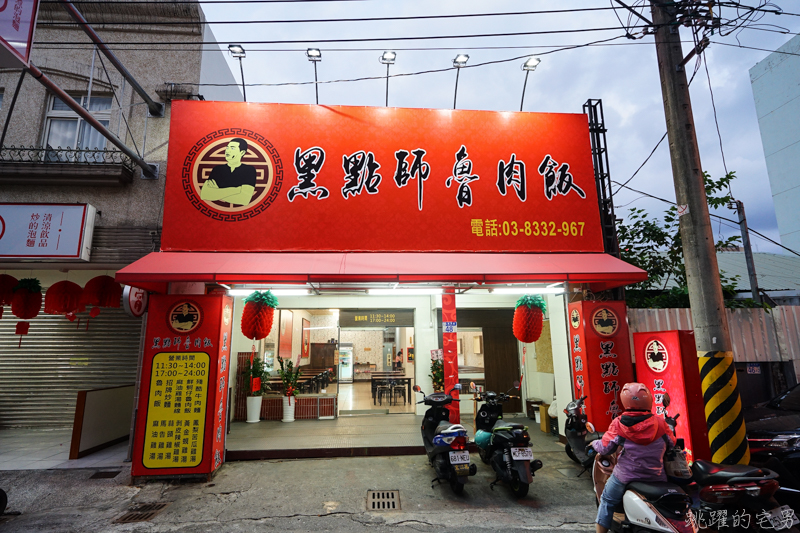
{"type": "Point", "coordinates": [65, 129]}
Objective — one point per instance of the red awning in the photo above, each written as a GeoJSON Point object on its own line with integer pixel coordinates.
{"type": "Point", "coordinates": [155, 270]}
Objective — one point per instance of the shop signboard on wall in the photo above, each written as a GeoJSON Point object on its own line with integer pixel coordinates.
{"type": "Point", "coordinates": [666, 361]}
{"type": "Point", "coordinates": [17, 24]}
{"type": "Point", "coordinates": [601, 357]}
{"type": "Point", "coordinates": [56, 232]}
{"type": "Point", "coordinates": [181, 422]}
{"type": "Point", "coordinates": [245, 177]}
{"type": "Point", "coordinates": [372, 318]}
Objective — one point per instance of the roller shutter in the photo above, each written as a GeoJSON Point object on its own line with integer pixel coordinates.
{"type": "Point", "coordinates": [39, 381]}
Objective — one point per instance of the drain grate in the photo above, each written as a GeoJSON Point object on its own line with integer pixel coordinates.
{"type": "Point", "coordinates": [383, 500]}
{"type": "Point", "coordinates": [141, 513]}
{"type": "Point", "coordinates": [106, 474]}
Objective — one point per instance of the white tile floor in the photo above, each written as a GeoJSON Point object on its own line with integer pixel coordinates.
{"type": "Point", "coordinates": [41, 449]}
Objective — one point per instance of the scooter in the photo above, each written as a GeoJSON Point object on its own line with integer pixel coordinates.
{"type": "Point", "coordinates": [505, 446]}
{"type": "Point", "coordinates": [445, 443]}
{"type": "Point", "coordinates": [730, 498]}
{"type": "Point", "coordinates": [577, 429]}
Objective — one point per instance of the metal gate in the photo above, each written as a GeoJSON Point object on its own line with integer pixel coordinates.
{"type": "Point", "coordinates": [40, 380]}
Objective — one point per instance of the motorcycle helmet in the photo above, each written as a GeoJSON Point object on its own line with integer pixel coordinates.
{"type": "Point", "coordinates": [636, 397]}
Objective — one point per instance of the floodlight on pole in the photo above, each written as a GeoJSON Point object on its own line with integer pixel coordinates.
{"type": "Point", "coordinates": [238, 52]}
{"type": "Point", "coordinates": [459, 62]}
{"type": "Point", "coordinates": [528, 66]}
{"type": "Point", "coordinates": [387, 59]}
{"type": "Point", "coordinates": [314, 55]}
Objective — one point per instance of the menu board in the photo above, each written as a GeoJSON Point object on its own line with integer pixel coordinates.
{"type": "Point", "coordinates": [176, 411]}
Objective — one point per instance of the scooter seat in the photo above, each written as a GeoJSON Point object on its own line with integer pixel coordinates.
{"type": "Point", "coordinates": [445, 425]}
{"type": "Point", "coordinates": [708, 473]}
{"type": "Point", "coordinates": [656, 490]}
{"type": "Point", "coordinates": [509, 425]}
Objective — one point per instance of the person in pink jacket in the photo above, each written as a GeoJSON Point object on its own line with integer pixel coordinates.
{"type": "Point", "coordinates": [642, 439]}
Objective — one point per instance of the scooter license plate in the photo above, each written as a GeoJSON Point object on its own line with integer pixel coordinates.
{"type": "Point", "coordinates": [459, 458]}
{"type": "Point", "coordinates": [522, 454]}
{"type": "Point", "coordinates": [782, 518]}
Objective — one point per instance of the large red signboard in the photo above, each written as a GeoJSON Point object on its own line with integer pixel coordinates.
{"type": "Point", "coordinates": [182, 413]}
{"type": "Point", "coordinates": [666, 361]}
{"type": "Point", "coordinates": [281, 177]}
{"type": "Point", "coordinates": [601, 357]}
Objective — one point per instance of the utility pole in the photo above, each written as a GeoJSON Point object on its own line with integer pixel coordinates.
{"type": "Point", "coordinates": [723, 406]}
{"type": "Point", "coordinates": [748, 251]}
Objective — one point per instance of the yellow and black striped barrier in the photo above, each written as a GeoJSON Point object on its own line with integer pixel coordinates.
{"type": "Point", "coordinates": [726, 432]}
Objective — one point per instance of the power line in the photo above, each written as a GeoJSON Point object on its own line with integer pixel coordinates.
{"type": "Point", "coordinates": [364, 19]}
{"type": "Point", "coordinates": [357, 39]}
{"type": "Point", "coordinates": [756, 48]}
{"type": "Point", "coordinates": [712, 214]}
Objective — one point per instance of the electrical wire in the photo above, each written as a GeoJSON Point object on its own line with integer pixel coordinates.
{"type": "Point", "coordinates": [121, 114]}
{"type": "Point", "coordinates": [749, 229]}
{"type": "Point", "coordinates": [348, 20]}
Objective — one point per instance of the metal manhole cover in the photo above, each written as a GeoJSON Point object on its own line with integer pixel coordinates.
{"type": "Point", "coordinates": [141, 513]}
{"type": "Point", "coordinates": [106, 474]}
{"type": "Point", "coordinates": [383, 500]}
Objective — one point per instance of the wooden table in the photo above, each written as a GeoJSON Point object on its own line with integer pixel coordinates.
{"type": "Point", "coordinates": [388, 376]}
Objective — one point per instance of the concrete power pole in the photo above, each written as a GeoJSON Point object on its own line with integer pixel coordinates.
{"type": "Point", "coordinates": [723, 407]}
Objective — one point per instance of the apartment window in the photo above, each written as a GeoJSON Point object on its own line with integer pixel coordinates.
{"type": "Point", "coordinates": [2, 92]}
{"type": "Point", "coordinates": [65, 129]}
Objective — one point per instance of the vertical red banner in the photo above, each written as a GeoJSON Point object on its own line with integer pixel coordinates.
{"type": "Point", "coordinates": [450, 348]}
{"type": "Point", "coordinates": [601, 357]}
{"type": "Point", "coordinates": [666, 361]}
{"type": "Point", "coordinates": [181, 416]}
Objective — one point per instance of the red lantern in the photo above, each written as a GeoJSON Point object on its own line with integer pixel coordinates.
{"type": "Point", "coordinates": [102, 291]}
{"type": "Point", "coordinates": [63, 298]}
{"type": "Point", "coordinates": [7, 284]}
{"type": "Point", "coordinates": [258, 314]}
{"type": "Point", "coordinates": [26, 302]}
{"type": "Point", "coordinates": [529, 318]}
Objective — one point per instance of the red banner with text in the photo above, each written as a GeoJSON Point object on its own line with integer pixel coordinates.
{"type": "Point", "coordinates": [284, 177]}
{"type": "Point", "coordinates": [601, 357]}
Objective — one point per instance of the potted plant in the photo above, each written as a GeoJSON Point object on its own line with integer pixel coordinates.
{"type": "Point", "coordinates": [254, 372]}
{"type": "Point", "coordinates": [437, 375]}
{"type": "Point", "coordinates": [289, 376]}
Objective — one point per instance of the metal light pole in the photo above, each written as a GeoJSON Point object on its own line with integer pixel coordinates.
{"type": "Point", "coordinates": [315, 55]}
{"type": "Point", "coordinates": [387, 59]}
{"type": "Point", "coordinates": [528, 66]}
{"type": "Point", "coordinates": [237, 51]}
{"type": "Point", "coordinates": [459, 62]}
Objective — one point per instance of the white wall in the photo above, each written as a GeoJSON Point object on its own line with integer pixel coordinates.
{"type": "Point", "coordinates": [557, 309]}
{"type": "Point", "coordinates": [776, 90]}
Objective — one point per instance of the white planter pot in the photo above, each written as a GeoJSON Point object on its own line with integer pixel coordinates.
{"type": "Point", "coordinates": [289, 403]}
{"type": "Point", "coordinates": [253, 409]}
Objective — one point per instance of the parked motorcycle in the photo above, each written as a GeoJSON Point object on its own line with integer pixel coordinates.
{"type": "Point", "coordinates": [445, 443]}
{"type": "Point", "coordinates": [730, 498]}
{"type": "Point", "coordinates": [577, 429]}
{"type": "Point", "coordinates": [505, 446]}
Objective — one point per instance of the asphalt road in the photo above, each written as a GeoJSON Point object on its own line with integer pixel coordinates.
{"type": "Point", "coordinates": [302, 495]}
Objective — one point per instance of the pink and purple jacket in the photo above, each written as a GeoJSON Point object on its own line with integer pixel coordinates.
{"type": "Point", "coordinates": [644, 438]}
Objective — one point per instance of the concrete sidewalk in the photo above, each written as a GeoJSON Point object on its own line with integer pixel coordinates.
{"type": "Point", "coordinates": [302, 495]}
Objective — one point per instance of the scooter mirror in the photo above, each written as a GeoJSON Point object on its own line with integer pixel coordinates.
{"type": "Point", "coordinates": [457, 386]}
{"type": "Point", "coordinates": [666, 399]}
{"type": "Point", "coordinates": [589, 427]}
{"type": "Point", "coordinates": [516, 384]}
{"type": "Point", "coordinates": [471, 385]}
{"type": "Point", "coordinates": [417, 388]}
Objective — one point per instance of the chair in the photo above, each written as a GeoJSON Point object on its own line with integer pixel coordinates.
{"type": "Point", "coordinates": [383, 389]}
{"type": "Point", "coordinates": [398, 388]}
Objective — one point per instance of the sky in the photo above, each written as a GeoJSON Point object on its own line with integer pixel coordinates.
{"type": "Point", "coordinates": [622, 73]}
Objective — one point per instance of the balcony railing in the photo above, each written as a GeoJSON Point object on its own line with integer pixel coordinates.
{"type": "Point", "coordinates": [64, 166]}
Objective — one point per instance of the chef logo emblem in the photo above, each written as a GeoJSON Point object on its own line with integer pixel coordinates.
{"type": "Point", "coordinates": [575, 318]}
{"type": "Point", "coordinates": [605, 322]}
{"type": "Point", "coordinates": [184, 317]}
{"type": "Point", "coordinates": [232, 174]}
{"type": "Point", "coordinates": [656, 356]}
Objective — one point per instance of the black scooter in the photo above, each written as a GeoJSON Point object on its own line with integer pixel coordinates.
{"type": "Point", "coordinates": [505, 446]}
{"type": "Point", "coordinates": [445, 443]}
{"type": "Point", "coordinates": [579, 433]}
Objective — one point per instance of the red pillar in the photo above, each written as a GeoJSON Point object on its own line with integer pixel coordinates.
{"type": "Point", "coordinates": [450, 349]}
